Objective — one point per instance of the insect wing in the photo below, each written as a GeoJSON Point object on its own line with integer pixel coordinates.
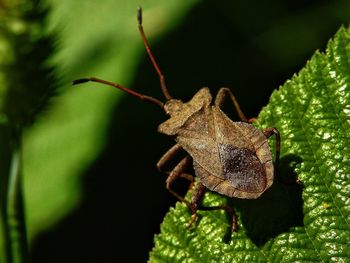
{"type": "Point", "coordinates": [238, 144]}
{"type": "Point", "coordinates": [202, 149]}
{"type": "Point", "coordinates": [226, 131]}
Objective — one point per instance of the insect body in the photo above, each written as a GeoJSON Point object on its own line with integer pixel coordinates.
{"type": "Point", "coordinates": [230, 158]}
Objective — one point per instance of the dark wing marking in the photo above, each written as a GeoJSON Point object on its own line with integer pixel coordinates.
{"type": "Point", "coordinates": [220, 185]}
{"type": "Point", "coordinates": [243, 150]}
{"type": "Point", "coordinates": [213, 183]}
{"type": "Point", "coordinates": [242, 168]}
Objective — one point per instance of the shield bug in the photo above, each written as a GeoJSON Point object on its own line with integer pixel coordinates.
{"type": "Point", "coordinates": [229, 158]}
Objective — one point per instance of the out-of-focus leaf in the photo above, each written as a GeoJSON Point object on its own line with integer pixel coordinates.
{"type": "Point", "coordinates": [97, 38]}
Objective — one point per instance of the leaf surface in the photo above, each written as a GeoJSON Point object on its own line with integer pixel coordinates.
{"type": "Point", "coordinates": [289, 223]}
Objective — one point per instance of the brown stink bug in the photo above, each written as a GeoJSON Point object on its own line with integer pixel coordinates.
{"type": "Point", "coordinates": [229, 158]}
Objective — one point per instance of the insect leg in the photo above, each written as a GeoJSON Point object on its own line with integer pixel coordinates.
{"type": "Point", "coordinates": [188, 177]}
{"type": "Point", "coordinates": [168, 156]}
{"type": "Point", "coordinates": [229, 210]}
{"type": "Point", "coordinates": [149, 52]}
{"type": "Point", "coordinates": [195, 205]}
{"type": "Point", "coordinates": [197, 197]}
{"type": "Point", "coordinates": [268, 132]}
{"type": "Point", "coordinates": [220, 98]}
{"type": "Point", "coordinates": [174, 174]}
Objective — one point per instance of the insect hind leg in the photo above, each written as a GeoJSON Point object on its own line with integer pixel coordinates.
{"type": "Point", "coordinates": [268, 132]}
{"type": "Point", "coordinates": [195, 205]}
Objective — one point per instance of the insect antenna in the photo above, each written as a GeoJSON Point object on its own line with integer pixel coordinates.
{"type": "Point", "coordinates": [115, 85]}
{"type": "Point", "coordinates": [149, 52]}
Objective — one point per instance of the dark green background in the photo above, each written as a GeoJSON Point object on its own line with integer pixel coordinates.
{"type": "Point", "coordinates": [251, 46]}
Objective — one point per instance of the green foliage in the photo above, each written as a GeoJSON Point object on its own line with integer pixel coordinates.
{"type": "Point", "coordinates": [100, 38]}
{"type": "Point", "coordinates": [288, 223]}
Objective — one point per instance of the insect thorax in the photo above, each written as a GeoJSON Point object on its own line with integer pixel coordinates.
{"type": "Point", "coordinates": [181, 112]}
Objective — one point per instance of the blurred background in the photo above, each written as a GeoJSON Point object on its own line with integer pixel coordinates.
{"type": "Point", "coordinates": [92, 192]}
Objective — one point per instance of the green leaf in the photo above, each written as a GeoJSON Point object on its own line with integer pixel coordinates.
{"type": "Point", "coordinates": [288, 223]}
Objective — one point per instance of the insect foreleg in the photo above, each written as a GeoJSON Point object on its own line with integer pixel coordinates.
{"type": "Point", "coordinates": [220, 98]}
{"type": "Point", "coordinates": [168, 156]}
{"type": "Point", "coordinates": [174, 174]}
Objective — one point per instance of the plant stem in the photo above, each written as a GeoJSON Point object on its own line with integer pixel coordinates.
{"type": "Point", "coordinates": [5, 158]}
{"type": "Point", "coordinates": [15, 207]}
